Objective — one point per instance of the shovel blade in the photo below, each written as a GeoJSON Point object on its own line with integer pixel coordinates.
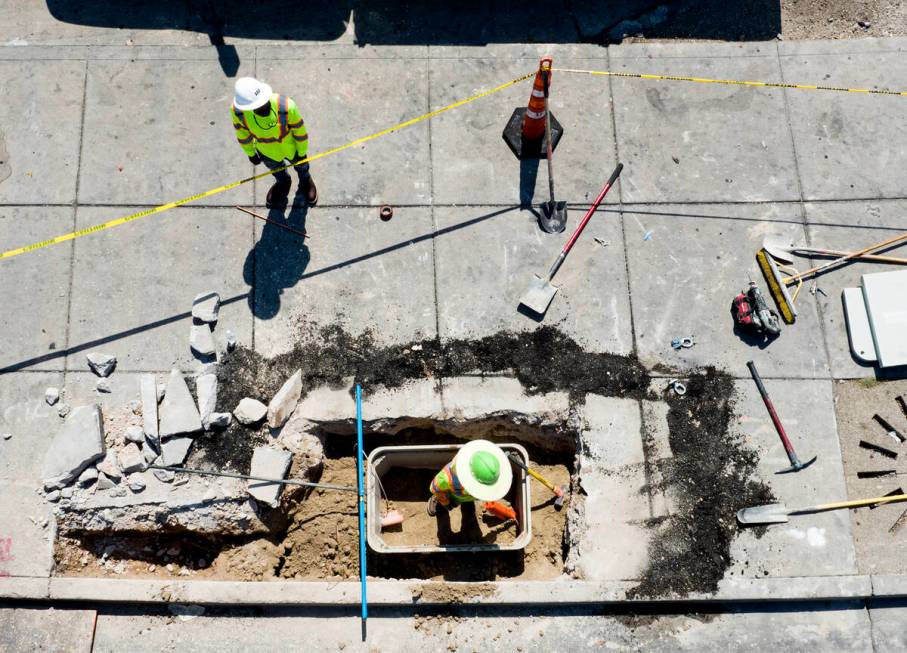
{"type": "Point", "coordinates": [553, 217]}
{"type": "Point", "coordinates": [772, 513]}
{"type": "Point", "coordinates": [538, 295]}
{"type": "Point", "coordinates": [778, 249]}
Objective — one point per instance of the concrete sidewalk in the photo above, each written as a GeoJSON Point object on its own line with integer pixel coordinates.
{"type": "Point", "coordinates": [710, 170]}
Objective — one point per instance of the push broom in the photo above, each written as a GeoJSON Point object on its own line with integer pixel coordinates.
{"type": "Point", "coordinates": [778, 283]}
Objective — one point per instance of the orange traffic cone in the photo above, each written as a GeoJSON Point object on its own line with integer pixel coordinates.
{"type": "Point", "coordinates": [525, 131]}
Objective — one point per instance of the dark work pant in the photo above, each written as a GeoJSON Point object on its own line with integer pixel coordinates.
{"type": "Point", "coordinates": [283, 176]}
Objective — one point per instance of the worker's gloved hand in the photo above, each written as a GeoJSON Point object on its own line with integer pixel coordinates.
{"type": "Point", "coordinates": [255, 159]}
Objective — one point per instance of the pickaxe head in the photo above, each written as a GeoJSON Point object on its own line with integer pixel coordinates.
{"type": "Point", "coordinates": [561, 494]}
{"type": "Point", "coordinates": [797, 466]}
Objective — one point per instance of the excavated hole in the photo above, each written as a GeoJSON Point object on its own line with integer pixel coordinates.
{"type": "Point", "coordinates": [316, 532]}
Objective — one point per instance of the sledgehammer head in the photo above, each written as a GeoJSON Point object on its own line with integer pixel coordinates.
{"type": "Point", "coordinates": [797, 466]}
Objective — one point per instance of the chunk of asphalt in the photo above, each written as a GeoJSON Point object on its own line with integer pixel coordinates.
{"type": "Point", "coordinates": [148, 392]}
{"type": "Point", "coordinates": [131, 459]}
{"type": "Point", "coordinates": [206, 389]}
{"type": "Point", "coordinates": [179, 413]}
{"type": "Point", "coordinates": [284, 402]}
{"type": "Point", "coordinates": [206, 306]}
{"type": "Point", "coordinates": [79, 442]}
{"type": "Point", "coordinates": [175, 450]}
{"type": "Point", "coordinates": [250, 411]}
{"type": "Point", "coordinates": [201, 339]}
{"type": "Point", "coordinates": [269, 463]}
{"type": "Point", "coordinates": [101, 364]}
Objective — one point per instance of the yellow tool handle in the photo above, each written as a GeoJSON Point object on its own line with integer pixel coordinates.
{"type": "Point", "coordinates": [838, 261]}
{"type": "Point", "coordinates": [856, 503]}
{"type": "Point", "coordinates": [542, 480]}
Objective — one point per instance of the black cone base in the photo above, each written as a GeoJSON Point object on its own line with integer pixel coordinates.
{"type": "Point", "coordinates": [513, 136]}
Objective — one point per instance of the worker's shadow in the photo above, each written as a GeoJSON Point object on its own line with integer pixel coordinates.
{"type": "Point", "coordinates": [469, 532]}
{"type": "Point", "coordinates": [278, 260]}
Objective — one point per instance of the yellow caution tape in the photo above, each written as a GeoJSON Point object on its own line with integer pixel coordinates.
{"type": "Point", "coordinates": [220, 189]}
{"type": "Point", "coordinates": [733, 82]}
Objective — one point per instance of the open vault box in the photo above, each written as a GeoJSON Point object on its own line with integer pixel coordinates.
{"type": "Point", "coordinates": [877, 318]}
{"type": "Point", "coordinates": [433, 457]}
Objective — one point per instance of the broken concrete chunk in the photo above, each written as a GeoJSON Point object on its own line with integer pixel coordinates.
{"type": "Point", "coordinates": [206, 389]}
{"type": "Point", "coordinates": [63, 410]}
{"type": "Point", "coordinates": [136, 483]}
{"type": "Point", "coordinates": [175, 450]}
{"type": "Point", "coordinates": [103, 385]}
{"type": "Point", "coordinates": [135, 434]}
{"type": "Point", "coordinates": [250, 411]}
{"type": "Point", "coordinates": [220, 421]}
{"type": "Point", "coordinates": [66, 493]}
{"type": "Point", "coordinates": [131, 459]}
{"type": "Point", "coordinates": [163, 475]}
{"type": "Point", "coordinates": [110, 467]}
{"type": "Point", "coordinates": [206, 306]}
{"type": "Point", "coordinates": [89, 476]}
{"type": "Point", "coordinates": [135, 406]}
{"type": "Point", "coordinates": [101, 364]}
{"type": "Point", "coordinates": [201, 339]}
{"type": "Point", "coordinates": [231, 340]}
{"type": "Point", "coordinates": [51, 396]}
{"type": "Point", "coordinates": [106, 483]}
{"type": "Point", "coordinates": [150, 455]}
{"type": "Point", "coordinates": [9, 436]}
{"type": "Point", "coordinates": [53, 496]}
{"type": "Point", "coordinates": [269, 463]}
{"type": "Point", "coordinates": [79, 443]}
{"type": "Point", "coordinates": [284, 402]}
{"type": "Point", "coordinates": [148, 392]}
{"type": "Point", "coordinates": [178, 412]}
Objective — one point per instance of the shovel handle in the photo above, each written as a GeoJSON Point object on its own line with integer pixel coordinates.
{"type": "Point", "coordinates": [857, 503]}
{"type": "Point", "coordinates": [838, 261]}
{"type": "Point", "coordinates": [548, 484]}
{"type": "Point", "coordinates": [582, 225]}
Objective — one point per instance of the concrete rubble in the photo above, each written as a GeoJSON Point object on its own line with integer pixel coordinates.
{"type": "Point", "coordinates": [284, 402]}
{"type": "Point", "coordinates": [135, 434]}
{"type": "Point", "coordinates": [89, 476]}
{"type": "Point", "coordinates": [250, 411]}
{"type": "Point", "coordinates": [178, 413]}
{"type": "Point", "coordinates": [101, 364]}
{"type": "Point", "coordinates": [201, 339]}
{"type": "Point", "coordinates": [148, 393]}
{"type": "Point", "coordinates": [268, 462]}
{"type": "Point", "coordinates": [64, 410]}
{"type": "Point", "coordinates": [51, 396]}
{"type": "Point", "coordinates": [103, 386]}
{"type": "Point", "coordinates": [206, 390]}
{"type": "Point", "coordinates": [220, 421]}
{"type": "Point", "coordinates": [131, 459]}
{"type": "Point", "coordinates": [175, 450]}
{"type": "Point", "coordinates": [206, 306]}
{"type": "Point", "coordinates": [110, 467]}
{"type": "Point", "coordinates": [79, 443]}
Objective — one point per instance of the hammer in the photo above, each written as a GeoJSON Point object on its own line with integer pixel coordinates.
{"type": "Point", "coordinates": [559, 492]}
{"type": "Point", "coordinates": [795, 464]}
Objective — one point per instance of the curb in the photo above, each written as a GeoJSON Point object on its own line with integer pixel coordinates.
{"type": "Point", "coordinates": [421, 593]}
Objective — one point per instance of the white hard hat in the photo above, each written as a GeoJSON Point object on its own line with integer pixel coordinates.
{"type": "Point", "coordinates": [249, 93]}
{"type": "Point", "coordinates": [484, 470]}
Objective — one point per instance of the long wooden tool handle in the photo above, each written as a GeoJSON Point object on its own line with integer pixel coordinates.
{"type": "Point", "coordinates": [548, 484]}
{"type": "Point", "coordinates": [844, 259]}
{"type": "Point", "coordinates": [582, 225]}
{"type": "Point", "coordinates": [857, 503]}
{"type": "Point", "coordinates": [816, 251]}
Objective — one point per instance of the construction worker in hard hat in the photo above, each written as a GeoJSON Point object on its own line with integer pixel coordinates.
{"type": "Point", "coordinates": [480, 471]}
{"type": "Point", "coordinates": [271, 131]}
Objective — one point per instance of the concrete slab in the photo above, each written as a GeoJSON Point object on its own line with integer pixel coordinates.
{"type": "Point", "coordinates": [350, 276]}
{"type": "Point", "coordinates": [840, 154]}
{"type": "Point", "coordinates": [394, 169]}
{"type": "Point", "coordinates": [132, 107]}
{"type": "Point", "coordinates": [708, 256]}
{"type": "Point", "coordinates": [470, 159]}
{"type": "Point", "coordinates": [848, 226]}
{"type": "Point", "coordinates": [479, 293]}
{"type": "Point", "coordinates": [809, 545]}
{"type": "Point", "coordinates": [889, 626]}
{"type": "Point", "coordinates": [693, 142]}
{"type": "Point", "coordinates": [47, 629]}
{"type": "Point", "coordinates": [32, 423]}
{"type": "Point", "coordinates": [141, 313]}
{"type": "Point", "coordinates": [26, 531]}
{"type": "Point", "coordinates": [35, 289]}
{"type": "Point", "coordinates": [39, 162]}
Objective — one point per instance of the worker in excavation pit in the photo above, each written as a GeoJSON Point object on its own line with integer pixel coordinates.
{"type": "Point", "coordinates": [271, 131]}
{"type": "Point", "coordinates": [480, 471]}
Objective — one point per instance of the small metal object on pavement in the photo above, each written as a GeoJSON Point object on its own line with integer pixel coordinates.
{"type": "Point", "coordinates": [385, 212]}
{"type": "Point", "coordinates": [677, 386]}
{"type": "Point", "coordinates": [682, 343]}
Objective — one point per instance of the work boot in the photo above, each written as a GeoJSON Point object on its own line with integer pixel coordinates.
{"type": "Point", "coordinates": [277, 196]}
{"type": "Point", "coordinates": [432, 508]}
{"type": "Point", "coordinates": [311, 192]}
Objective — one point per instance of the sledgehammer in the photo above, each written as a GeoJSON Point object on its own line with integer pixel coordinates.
{"type": "Point", "coordinates": [795, 464]}
{"type": "Point", "coordinates": [559, 492]}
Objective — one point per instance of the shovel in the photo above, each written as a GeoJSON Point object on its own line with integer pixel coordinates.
{"type": "Point", "coordinates": [786, 253]}
{"type": "Point", "coordinates": [540, 292]}
{"type": "Point", "coordinates": [777, 513]}
{"type": "Point", "coordinates": [553, 218]}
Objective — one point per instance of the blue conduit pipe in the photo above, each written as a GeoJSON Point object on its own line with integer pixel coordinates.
{"type": "Point", "coordinates": [360, 454]}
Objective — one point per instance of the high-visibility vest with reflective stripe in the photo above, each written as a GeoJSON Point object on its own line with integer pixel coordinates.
{"type": "Point", "coordinates": [281, 135]}
{"type": "Point", "coordinates": [446, 486]}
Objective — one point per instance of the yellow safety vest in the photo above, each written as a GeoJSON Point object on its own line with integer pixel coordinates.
{"type": "Point", "coordinates": [281, 135]}
{"type": "Point", "coordinates": [446, 487]}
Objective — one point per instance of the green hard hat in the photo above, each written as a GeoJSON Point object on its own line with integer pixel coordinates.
{"type": "Point", "coordinates": [485, 467]}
